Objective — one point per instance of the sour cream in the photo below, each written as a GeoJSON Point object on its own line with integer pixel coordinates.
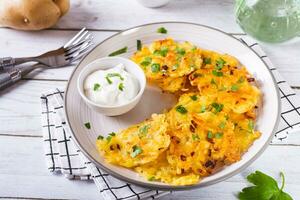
{"type": "Point", "coordinates": [111, 87]}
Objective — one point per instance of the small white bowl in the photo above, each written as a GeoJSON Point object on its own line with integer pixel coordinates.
{"type": "Point", "coordinates": [106, 63]}
{"type": "Point", "coordinates": [153, 3]}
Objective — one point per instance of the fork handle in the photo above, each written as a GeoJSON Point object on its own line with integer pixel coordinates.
{"type": "Point", "coordinates": [9, 78]}
{"type": "Point", "coordinates": [7, 63]}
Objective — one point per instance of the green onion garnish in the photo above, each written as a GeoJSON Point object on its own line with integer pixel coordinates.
{"type": "Point", "coordinates": [152, 178]}
{"type": "Point", "coordinates": [222, 125]}
{"type": "Point", "coordinates": [147, 61]}
{"type": "Point", "coordinates": [162, 30]}
{"type": "Point", "coordinates": [234, 88]}
{"type": "Point", "coordinates": [210, 135]}
{"type": "Point", "coordinates": [220, 64]}
{"type": "Point", "coordinates": [218, 135]}
{"type": "Point", "coordinates": [144, 130]}
{"type": "Point", "coordinates": [162, 52]}
{"type": "Point", "coordinates": [217, 73]}
{"type": "Point", "coordinates": [181, 109]}
{"type": "Point", "coordinates": [155, 67]}
{"type": "Point", "coordinates": [87, 125]}
{"type": "Point", "coordinates": [207, 61]}
{"type": "Point", "coordinates": [118, 52]}
{"type": "Point", "coordinates": [203, 109]}
{"type": "Point", "coordinates": [139, 45]}
{"type": "Point", "coordinates": [96, 86]}
{"type": "Point", "coordinates": [136, 150]}
{"type": "Point", "coordinates": [115, 75]}
{"type": "Point", "coordinates": [121, 86]}
{"type": "Point", "coordinates": [218, 107]}
{"type": "Point", "coordinates": [108, 138]}
{"type": "Point", "coordinates": [100, 137]}
{"type": "Point", "coordinates": [108, 80]}
{"type": "Point", "coordinates": [194, 97]}
{"type": "Point", "coordinates": [195, 137]}
{"type": "Point", "coordinates": [180, 51]}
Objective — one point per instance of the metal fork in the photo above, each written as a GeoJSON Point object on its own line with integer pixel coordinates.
{"type": "Point", "coordinates": [65, 55]}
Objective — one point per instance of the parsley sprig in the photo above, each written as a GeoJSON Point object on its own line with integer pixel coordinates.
{"type": "Point", "coordinates": [264, 188]}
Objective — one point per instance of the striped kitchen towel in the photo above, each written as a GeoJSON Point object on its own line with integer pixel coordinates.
{"type": "Point", "coordinates": [63, 156]}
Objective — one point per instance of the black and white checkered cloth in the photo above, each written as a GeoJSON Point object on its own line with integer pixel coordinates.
{"type": "Point", "coordinates": [63, 156]}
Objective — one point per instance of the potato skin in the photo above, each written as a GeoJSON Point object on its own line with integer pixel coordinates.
{"type": "Point", "coordinates": [31, 14]}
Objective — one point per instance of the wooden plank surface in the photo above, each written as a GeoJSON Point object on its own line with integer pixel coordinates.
{"type": "Point", "coordinates": [284, 56]}
{"type": "Point", "coordinates": [23, 171]}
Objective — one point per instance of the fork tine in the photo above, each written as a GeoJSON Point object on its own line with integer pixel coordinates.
{"type": "Point", "coordinates": [77, 47]}
{"type": "Point", "coordinates": [74, 38]}
{"type": "Point", "coordinates": [72, 47]}
{"type": "Point", "coordinates": [83, 35]}
{"type": "Point", "coordinates": [79, 53]}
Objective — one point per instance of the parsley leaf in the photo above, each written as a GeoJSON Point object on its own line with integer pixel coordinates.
{"type": "Point", "coordinates": [162, 30]}
{"type": "Point", "coordinates": [181, 109]}
{"type": "Point", "coordinates": [136, 150]}
{"type": "Point", "coordinates": [265, 188]}
{"type": "Point", "coordinates": [118, 52]}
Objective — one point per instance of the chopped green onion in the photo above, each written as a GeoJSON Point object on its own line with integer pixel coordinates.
{"type": "Point", "coordinates": [207, 61]}
{"type": "Point", "coordinates": [155, 67]}
{"type": "Point", "coordinates": [218, 107]}
{"type": "Point", "coordinates": [136, 150]}
{"type": "Point", "coordinates": [175, 66]}
{"type": "Point", "coordinates": [162, 30]}
{"type": "Point", "coordinates": [250, 125]}
{"type": "Point", "coordinates": [220, 64]}
{"type": "Point", "coordinates": [234, 88]}
{"type": "Point", "coordinates": [210, 135]}
{"type": "Point", "coordinates": [96, 86]}
{"type": "Point", "coordinates": [144, 130]}
{"type": "Point", "coordinates": [222, 125]}
{"type": "Point", "coordinates": [121, 86]}
{"type": "Point", "coordinates": [87, 125]}
{"type": "Point", "coordinates": [217, 73]}
{"type": "Point", "coordinates": [100, 137]}
{"type": "Point", "coordinates": [194, 97]}
{"type": "Point", "coordinates": [118, 52]}
{"type": "Point", "coordinates": [147, 61]}
{"type": "Point", "coordinates": [115, 75]}
{"type": "Point", "coordinates": [213, 81]}
{"type": "Point", "coordinates": [180, 51]}
{"type": "Point", "coordinates": [181, 109]}
{"type": "Point", "coordinates": [241, 80]}
{"type": "Point", "coordinates": [152, 178]}
{"type": "Point", "coordinates": [108, 80]}
{"type": "Point", "coordinates": [218, 135]}
{"type": "Point", "coordinates": [195, 137]}
{"type": "Point", "coordinates": [203, 109]}
{"type": "Point", "coordinates": [139, 45]}
{"type": "Point", "coordinates": [109, 137]}
{"type": "Point", "coordinates": [162, 52]}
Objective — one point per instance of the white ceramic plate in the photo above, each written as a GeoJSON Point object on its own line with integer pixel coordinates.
{"type": "Point", "coordinates": [153, 100]}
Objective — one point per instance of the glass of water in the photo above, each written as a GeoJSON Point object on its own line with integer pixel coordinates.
{"type": "Point", "coordinates": [269, 20]}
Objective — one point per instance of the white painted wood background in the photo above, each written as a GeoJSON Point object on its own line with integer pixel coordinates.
{"type": "Point", "coordinates": [23, 173]}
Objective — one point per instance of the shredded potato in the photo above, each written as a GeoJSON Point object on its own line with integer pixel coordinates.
{"type": "Point", "coordinates": [212, 124]}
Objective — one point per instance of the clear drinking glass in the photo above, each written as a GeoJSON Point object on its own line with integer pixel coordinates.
{"type": "Point", "coordinates": [269, 20]}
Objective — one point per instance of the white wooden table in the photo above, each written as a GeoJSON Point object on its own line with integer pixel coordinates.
{"type": "Point", "coordinates": [23, 173]}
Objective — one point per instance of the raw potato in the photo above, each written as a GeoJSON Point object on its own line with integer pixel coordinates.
{"type": "Point", "coordinates": [32, 14]}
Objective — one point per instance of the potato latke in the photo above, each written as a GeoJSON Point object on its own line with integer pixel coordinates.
{"type": "Point", "coordinates": [212, 124]}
